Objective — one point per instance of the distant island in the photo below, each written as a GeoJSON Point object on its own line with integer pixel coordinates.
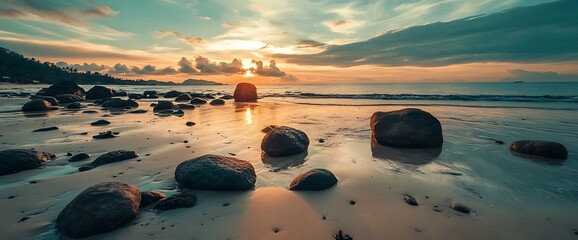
{"type": "Point", "coordinates": [15, 68]}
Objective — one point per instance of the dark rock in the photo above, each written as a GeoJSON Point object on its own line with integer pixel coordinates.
{"type": "Point", "coordinates": [544, 149]}
{"type": "Point", "coordinates": [68, 154]}
{"type": "Point", "coordinates": [49, 99]}
{"type": "Point", "coordinates": [120, 103]}
{"type": "Point", "coordinates": [312, 180]}
{"type": "Point", "coordinates": [150, 197]}
{"type": "Point", "coordinates": [79, 157]}
{"type": "Point", "coordinates": [198, 101]}
{"type": "Point", "coordinates": [339, 236]}
{"type": "Point", "coordinates": [45, 129]}
{"type": "Point", "coordinates": [68, 98]}
{"type": "Point", "coordinates": [245, 92]}
{"type": "Point", "coordinates": [407, 128]}
{"type": "Point", "coordinates": [172, 94]}
{"type": "Point", "coordinates": [184, 97]}
{"type": "Point", "coordinates": [217, 102]}
{"type": "Point", "coordinates": [99, 209]}
{"type": "Point", "coordinates": [104, 135]}
{"type": "Point", "coordinates": [120, 94]}
{"type": "Point", "coordinates": [16, 160]}
{"type": "Point", "coordinates": [186, 106]}
{"type": "Point", "coordinates": [114, 156]}
{"type": "Point", "coordinates": [75, 105]}
{"type": "Point", "coordinates": [150, 92]}
{"type": "Point", "coordinates": [65, 87]}
{"type": "Point", "coordinates": [352, 202]}
{"type": "Point", "coordinates": [90, 111]}
{"type": "Point", "coordinates": [213, 172]}
{"type": "Point", "coordinates": [135, 96]}
{"type": "Point", "coordinates": [179, 113]}
{"type": "Point", "coordinates": [99, 92]}
{"type": "Point", "coordinates": [208, 96]}
{"type": "Point", "coordinates": [103, 100]}
{"type": "Point", "coordinates": [226, 97]}
{"type": "Point", "coordinates": [164, 105]}
{"type": "Point", "coordinates": [460, 207]}
{"type": "Point", "coordinates": [410, 200]}
{"type": "Point", "coordinates": [137, 111]}
{"type": "Point", "coordinates": [166, 112]}
{"type": "Point", "coordinates": [190, 124]}
{"type": "Point", "coordinates": [85, 168]}
{"type": "Point", "coordinates": [181, 200]}
{"type": "Point", "coordinates": [499, 142]}
{"type": "Point", "coordinates": [36, 105]}
{"type": "Point", "coordinates": [101, 122]}
{"type": "Point", "coordinates": [268, 128]}
{"type": "Point", "coordinates": [284, 141]}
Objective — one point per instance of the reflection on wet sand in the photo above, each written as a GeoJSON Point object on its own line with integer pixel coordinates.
{"type": "Point", "coordinates": [404, 155]}
{"type": "Point", "coordinates": [282, 163]}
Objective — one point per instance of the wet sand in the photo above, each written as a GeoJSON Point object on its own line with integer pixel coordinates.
{"type": "Point", "coordinates": [505, 204]}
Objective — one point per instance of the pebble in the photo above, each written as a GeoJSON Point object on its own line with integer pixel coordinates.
{"type": "Point", "coordinates": [410, 200]}
{"type": "Point", "coordinates": [460, 207]}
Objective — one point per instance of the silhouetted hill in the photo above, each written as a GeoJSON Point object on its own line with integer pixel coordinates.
{"type": "Point", "coordinates": [199, 82]}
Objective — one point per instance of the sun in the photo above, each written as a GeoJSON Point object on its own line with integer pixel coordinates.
{"type": "Point", "coordinates": [248, 73]}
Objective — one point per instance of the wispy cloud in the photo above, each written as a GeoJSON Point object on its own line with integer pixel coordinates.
{"type": "Point", "coordinates": [193, 41]}
{"type": "Point", "coordinates": [54, 10]}
{"type": "Point", "coordinates": [533, 76]}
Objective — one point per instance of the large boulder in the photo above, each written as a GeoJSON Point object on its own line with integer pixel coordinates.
{"type": "Point", "coordinates": [16, 160]}
{"type": "Point", "coordinates": [407, 128]}
{"type": "Point", "coordinates": [216, 102]}
{"type": "Point", "coordinates": [198, 101]}
{"type": "Point", "coordinates": [49, 99]}
{"type": "Point", "coordinates": [314, 179]}
{"type": "Point", "coordinates": [172, 94]}
{"type": "Point", "coordinates": [114, 156]}
{"type": "Point", "coordinates": [213, 172]}
{"type": "Point", "coordinates": [99, 209]}
{"type": "Point", "coordinates": [545, 149]}
{"type": "Point", "coordinates": [183, 98]}
{"type": "Point", "coordinates": [284, 141]}
{"type": "Point", "coordinates": [65, 87]}
{"type": "Point", "coordinates": [120, 103]}
{"type": "Point", "coordinates": [99, 92]}
{"type": "Point", "coordinates": [164, 105]}
{"type": "Point", "coordinates": [135, 96]}
{"type": "Point", "coordinates": [36, 104]}
{"type": "Point", "coordinates": [68, 98]}
{"type": "Point", "coordinates": [245, 92]}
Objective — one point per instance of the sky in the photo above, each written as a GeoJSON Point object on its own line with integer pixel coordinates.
{"type": "Point", "coordinates": [300, 41]}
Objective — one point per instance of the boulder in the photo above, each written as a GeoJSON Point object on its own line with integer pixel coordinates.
{"type": "Point", "coordinates": [150, 197]}
{"type": "Point", "coordinates": [120, 94]}
{"type": "Point", "coordinates": [65, 87]}
{"type": "Point", "coordinates": [150, 94]}
{"type": "Point", "coordinates": [68, 98]}
{"type": "Point", "coordinates": [36, 105]}
{"type": "Point", "coordinates": [49, 99]}
{"type": "Point", "coordinates": [46, 129]}
{"type": "Point", "coordinates": [79, 157]}
{"type": "Point", "coordinates": [100, 122]}
{"type": "Point", "coordinates": [245, 92]}
{"type": "Point", "coordinates": [186, 106]}
{"type": "Point", "coordinates": [172, 94]}
{"type": "Point", "coordinates": [164, 105]}
{"type": "Point", "coordinates": [120, 103]}
{"type": "Point", "coordinates": [181, 200]}
{"type": "Point", "coordinates": [104, 135]}
{"type": "Point", "coordinates": [75, 105]}
{"type": "Point", "coordinates": [135, 96]}
{"type": "Point", "coordinates": [213, 172]}
{"type": "Point", "coordinates": [544, 149]}
{"type": "Point", "coordinates": [314, 179]}
{"type": "Point", "coordinates": [406, 128]}
{"type": "Point", "coordinates": [114, 156]}
{"type": "Point", "coordinates": [183, 98]}
{"type": "Point", "coordinates": [198, 101]}
{"type": "Point", "coordinates": [99, 92]}
{"type": "Point", "coordinates": [16, 160]}
{"type": "Point", "coordinates": [284, 141]}
{"type": "Point", "coordinates": [99, 209]}
{"type": "Point", "coordinates": [217, 102]}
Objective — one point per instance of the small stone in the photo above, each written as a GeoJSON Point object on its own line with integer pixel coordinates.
{"type": "Point", "coordinates": [79, 157]}
{"type": "Point", "coordinates": [215, 102]}
{"type": "Point", "coordinates": [276, 229]}
{"type": "Point", "coordinates": [23, 219]}
{"type": "Point", "coordinates": [460, 207]}
{"type": "Point", "coordinates": [68, 154]}
{"type": "Point", "coordinates": [104, 135]}
{"type": "Point", "coordinates": [352, 202]}
{"type": "Point", "coordinates": [410, 200]}
{"type": "Point", "coordinates": [190, 124]}
{"type": "Point", "coordinates": [340, 236]}
{"type": "Point", "coordinates": [45, 129]}
{"type": "Point", "coordinates": [498, 142]}
{"type": "Point", "coordinates": [321, 140]}
{"type": "Point", "coordinates": [182, 200]}
{"type": "Point", "coordinates": [150, 197]}
{"type": "Point", "coordinates": [101, 122]}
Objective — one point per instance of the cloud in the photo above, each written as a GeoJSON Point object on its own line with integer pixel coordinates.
{"type": "Point", "coordinates": [310, 44]}
{"type": "Point", "coordinates": [93, 67]}
{"type": "Point", "coordinates": [530, 76]}
{"type": "Point", "coordinates": [536, 34]}
{"type": "Point", "coordinates": [186, 66]}
{"type": "Point", "coordinates": [193, 41]}
{"type": "Point", "coordinates": [206, 18]}
{"type": "Point", "coordinates": [288, 78]}
{"type": "Point", "coordinates": [271, 70]}
{"type": "Point", "coordinates": [230, 25]}
{"type": "Point", "coordinates": [152, 70]}
{"type": "Point", "coordinates": [119, 69]}
{"type": "Point", "coordinates": [53, 10]}
{"type": "Point", "coordinates": [204, 65]}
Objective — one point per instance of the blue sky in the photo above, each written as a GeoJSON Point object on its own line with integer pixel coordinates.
{"type": "Point", "coordinates": [299, 41]}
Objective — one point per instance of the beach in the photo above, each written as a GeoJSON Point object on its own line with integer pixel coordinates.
{"type": "Point", "coordinates": [511, 197]}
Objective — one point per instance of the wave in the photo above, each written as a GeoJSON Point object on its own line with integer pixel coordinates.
{"type": "Point", "coordinates": [433, 97]}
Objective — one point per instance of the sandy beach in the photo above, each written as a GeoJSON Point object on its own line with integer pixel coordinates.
{"type": "Point", "coordinates": [507, 200]}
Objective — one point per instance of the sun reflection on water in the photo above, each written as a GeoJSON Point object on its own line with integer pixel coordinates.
{"type": "Point", "coordinates": [248, 115]}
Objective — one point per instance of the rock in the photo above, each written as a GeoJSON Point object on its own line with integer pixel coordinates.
{"type": "Point", "coordinates": [49, 99]}
{"type": "Point", "coordinates": [101, 122]}
{"type": "Point", "coordinates": [217, 102]}
{"type": "Point", "coordinates": [164, 105]}
{"type": "Point", "coordinates": [150, 197]}
{"type": "Point", "coordinates": [75, 105]}
{"type": "Point", "coordinates": [166, 112]}
{"type": "Point", "coordinates": [339, 236]}
{"type": "Point", "coordinates": [135, 96]}
{"type": "Point", "coordinates": [208, 96]}
{"type": "Point", "coordinates": [36, 105]}
{"type": "Point", "coordinates": [181, 200]}
{"type": "Point", "coordinates": [45, 129]}
{"type": "Point", "coordinates": [460, 207]}
{"type": "Point", "coordinates": [68, 98]}
{"type": "Point", "coordinates": [90, 111]}
{"type": "Point", "coordinates": [120, 94]}
{"type": "Point", "coordinates": [137, 111]}
{"type": "Point", "coordinates": [79, 157]}
{"type": "Point", "coordinates": [99, 92]}
{"type": "Point", "coordinates": [284, 141]}
{"type": "Point", "coordinates": [150, 94]}
{"type": "Point", "coordinates": [198, 101]}
{"type": "Point", "coordinates": [104, 135]}
{"type": "Point", "coordinates": [409, 199]}
{"type": "Point", "coordinates": [120, 103]}
{"type": "Point", "coordinates": [186, 106]}
{"type": "Point", "coordinates": [545, 149]}
{"type": "Point", "coordinates": [245, 92]}
{"type": "Point", "coordinates": [213, 172]}
{"type": "Point", "coordinates": [16, 160]}
{"type": "Point", "coordinates": [407, 128]}
{"type": "Point", "coordinates": [226, 97]}
{"type": "Point", "coordinates": [103, 100]}
{"type": "Point", "coordinates": [172, 94]}
{"type": "Point", "coordinates": [114, 156]}
{"type": "Point", "coordinates": [190, 124]}
{"type": "Point", "coordinates": [314, 179]}
{"type": "Point", "coordinates": [65, 87]}
{"type": "Point", "coordinates": [268, 128]}
{"type": "Point", "coordinates": [85, 168]}
{"type": "Point", "coordinates": [99, 209]}
{"type": "Point", "coordinates": [184, 97]}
